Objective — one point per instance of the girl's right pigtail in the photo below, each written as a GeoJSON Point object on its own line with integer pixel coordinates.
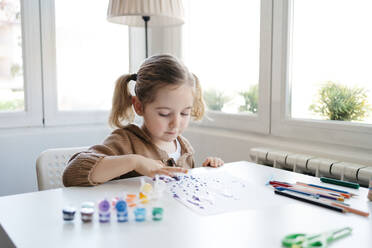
{"type": "Point", "coordinates": [121, 103]}
{"type": "Point", "coordinates": [198, 109]}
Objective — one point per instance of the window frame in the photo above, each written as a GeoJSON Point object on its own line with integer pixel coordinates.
{"type": "Point", "coordinates": [32, 78]}
{"type": "Point", "coordinates": [332, 132]}
{"type": "Point", "coordinates": [259, 123]}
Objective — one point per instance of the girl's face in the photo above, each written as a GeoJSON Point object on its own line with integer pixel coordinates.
{"type": "Point", "coordinates": [169, 115]}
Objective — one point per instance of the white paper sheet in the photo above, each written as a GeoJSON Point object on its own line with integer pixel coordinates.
{"type": "Point", "coordinates": [213, 192]}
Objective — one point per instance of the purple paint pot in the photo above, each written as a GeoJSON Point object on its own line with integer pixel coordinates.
{"type": "Point", "coordinates": [104, 211]}
{"type": "Point", "coordinates": [86, 214]}
{"type": "Point", "coordinates": [68, 213]}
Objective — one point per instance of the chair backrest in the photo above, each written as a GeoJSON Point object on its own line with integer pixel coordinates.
{"type": "Point", "coordinates": [50, 165]}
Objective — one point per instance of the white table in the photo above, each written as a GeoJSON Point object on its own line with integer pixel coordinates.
{"type": "Point", "coordinates": [35, 219]}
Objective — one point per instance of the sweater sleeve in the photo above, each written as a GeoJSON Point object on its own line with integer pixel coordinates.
{"type": "Point", "coordinates": [80, 166]}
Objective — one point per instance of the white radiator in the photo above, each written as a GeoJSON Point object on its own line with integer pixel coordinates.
{"type": "Point", "coordinates": [312, 165]}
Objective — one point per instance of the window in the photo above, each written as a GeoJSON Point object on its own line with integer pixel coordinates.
{"type": "Point", "coordinates": [90, 55]}
{"type": "Point", "coordinates": [225, 48]}
{"type": "Point", "coordinates": [83, 56]}
{"type": "Point", "coordinates": [20, 64]}
{"type": "Point", "coordinates": [58, 66]}
{"type": "Point", "coordinates": [329, 53]}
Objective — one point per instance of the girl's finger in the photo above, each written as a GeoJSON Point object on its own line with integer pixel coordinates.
{"type": "Point", "coordinates": [214, 163]}
{"type": "Point", "coordinates": [164, 172]}
{"type": "Point", "coordinates": [207, 161]}
{"type": "Point", "coordinates": [219, 161]}
{"type": "Point", "coordinates": [161, 163]}
{"type": "Point", "coordinates": [176, 169]}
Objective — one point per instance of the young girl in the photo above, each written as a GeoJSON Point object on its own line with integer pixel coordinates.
{"type": "Point", "coordinates": [166, 96]}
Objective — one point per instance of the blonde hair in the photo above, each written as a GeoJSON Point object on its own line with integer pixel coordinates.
{"type": "Point", "coordinates": [155, 73]}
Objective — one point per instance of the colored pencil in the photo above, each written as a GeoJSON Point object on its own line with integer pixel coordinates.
{"type": "Point", "coordinates": [296, 191]}
{"type": "Point", "coordinates": [351, 210]}
{"type": "Point", "coordinates": [327, 188]}
{"type": "Point", "coordinates": [311, 201]}
{"type": "Point", "coordinates": [341, 192]}
{"type": "Point", "coordinates": [339, 182]}
{"type": "Point", "coordinates": [320, 191]}
{"type": "Point", "coordinates": [310, 193]}
{"type": "Point", "coordinates": [317, 192]}
{"type": "Point", "coordinates": [282, 184]}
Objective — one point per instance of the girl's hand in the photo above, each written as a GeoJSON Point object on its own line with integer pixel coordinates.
{"type": "Point", "coordinates": [213, 162]}
{"type": "Point", "coordinates": [150, 167]}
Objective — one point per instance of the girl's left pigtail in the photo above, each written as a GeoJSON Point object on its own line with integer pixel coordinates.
{"type": "Point", "coordinates": [121, 102]}
{"type": "Point", "coordinates": [198, 108]}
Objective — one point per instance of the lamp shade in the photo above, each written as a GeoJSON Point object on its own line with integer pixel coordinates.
{"type": "Point", "coordinates": [162, 12]}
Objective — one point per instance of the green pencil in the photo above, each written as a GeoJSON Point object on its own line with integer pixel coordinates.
{"type": "Point", "coordinates": [339, 182]}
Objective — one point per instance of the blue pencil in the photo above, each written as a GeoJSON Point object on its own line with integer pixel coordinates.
{"type": "Point", "coordinates": [322, 187]}
{"type": "Point", "coordinates": [315, 195]}
{"type": "Point", "coordinates": [297, 191]}
{"type": "Point", "coordinates": [326, 188]}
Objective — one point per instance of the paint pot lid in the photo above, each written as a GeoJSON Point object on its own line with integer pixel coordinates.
{"type": "Point", "coordinates": [140, 209]}
{"type": "Point", "coordinates": [157, 210]}
{"type": "Point", "coordinates": [104, 205]}
{"type": "Point", "coordinates": [69, 210]}
{"type": "Point", "coordinates": [121, 206]}
{"type": "Point", "coordinates": [87, 204]}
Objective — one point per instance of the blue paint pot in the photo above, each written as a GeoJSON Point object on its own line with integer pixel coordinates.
{"type": "Point", "coordinates": [140, 214]}
{"type": "Point", "coordinates": [69, 213]}
{"type": "Point", "coordinates": [121, 211]}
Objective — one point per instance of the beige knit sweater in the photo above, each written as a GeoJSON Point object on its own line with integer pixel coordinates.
{"type": "Point", "coordinates": [128, 140]}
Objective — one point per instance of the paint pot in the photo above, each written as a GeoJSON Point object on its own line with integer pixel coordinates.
{"type": "Point", "coordinates": [86, 214]}
{"type": "Point", "coordinates": [370, 190]}
{"type": "Point", "coordinates": [145, 187]}
{"type": "Point", "coordinates": [140, 214]}
{"type": "Point", "coordinates": [131, 200]}
{"type": "Point", "coordinates": [121, 211]}
{"type": "Point", "coordinates": [87, 204]}
{"type": "Point", "coordinates": [143, 197]}
{"type": "Point", "coordinates": [69, 213]}
{"type": "Point", "coordinates": [159, 188]}
{"type": "Point", "coordinates": [104, 211]}
{"type": "Point", "coordinates": [157, 213]}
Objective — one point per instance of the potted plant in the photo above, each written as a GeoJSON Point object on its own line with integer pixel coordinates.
{"type": "Point", "coordinates": [339, 102]}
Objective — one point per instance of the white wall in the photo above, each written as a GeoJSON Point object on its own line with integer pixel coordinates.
{"type": "Point", "coordinates": [19, 149]}
{"type": "Point", "coordinates": [233, 146]}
